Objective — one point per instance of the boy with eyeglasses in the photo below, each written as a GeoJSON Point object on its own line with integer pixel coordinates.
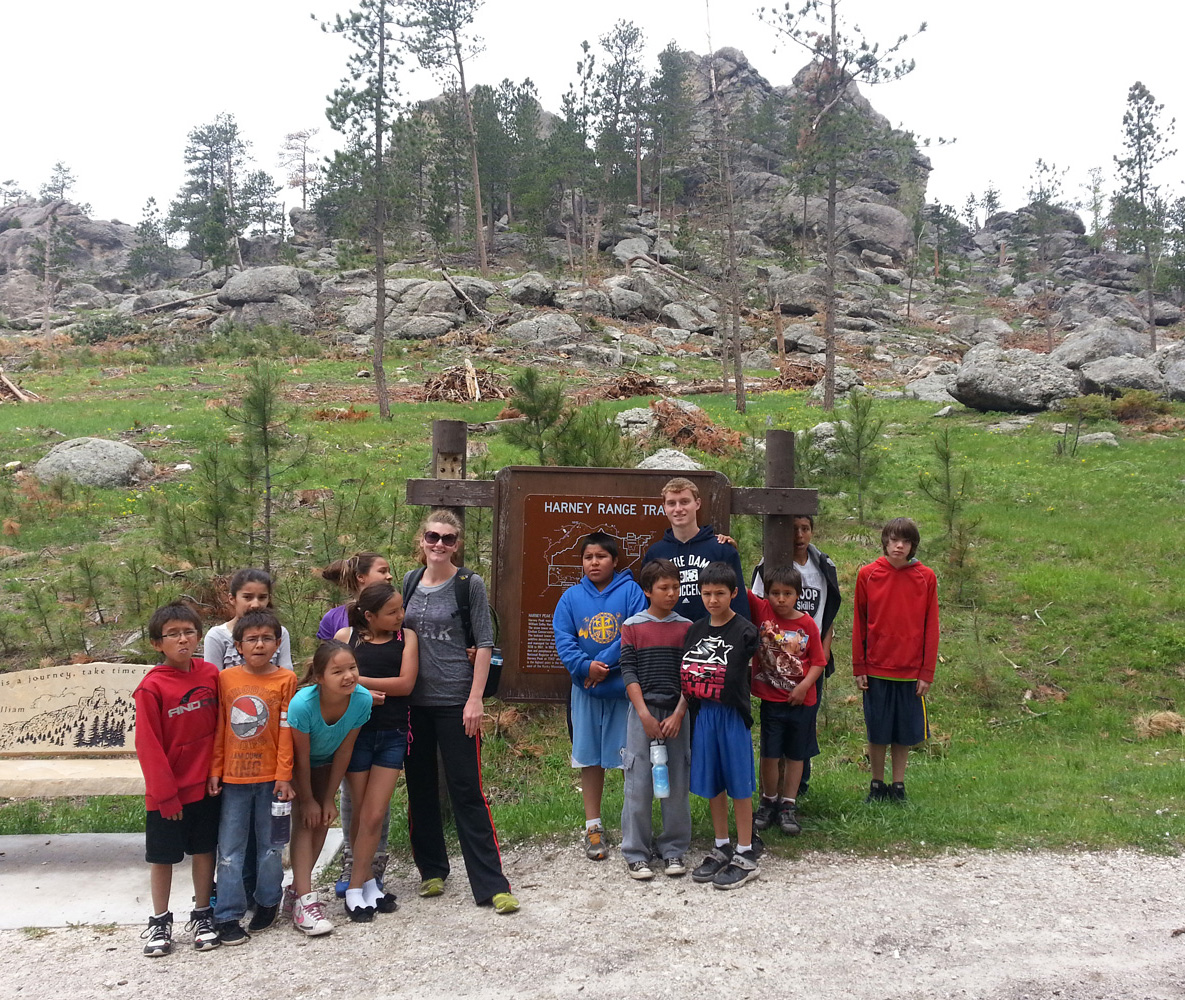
{"type": "Point", "coordinates": [176, 719]}
{"type": "Point", "coordinates": [252, 766]}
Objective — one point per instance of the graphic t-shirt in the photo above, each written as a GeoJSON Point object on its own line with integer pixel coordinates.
{"type": "Point", "coordinates": [304, 714]}
{"type": "Point", "coordinates": [253, 742]}
{"type": "Point", "coordinates": [715, 664]}
{"type": "Point", "coordinates": [788, 649]}
{"type": "Point", "coordinates": [814, 592]}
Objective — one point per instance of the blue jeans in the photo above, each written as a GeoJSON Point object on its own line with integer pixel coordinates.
{"type": "Point", "coordinates": [242, 806]}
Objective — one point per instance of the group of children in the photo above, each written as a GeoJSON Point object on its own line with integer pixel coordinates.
{"type": "Point", "coordinates": [663, 671]}
{"type": "Point", "coordinates": [239, 757]}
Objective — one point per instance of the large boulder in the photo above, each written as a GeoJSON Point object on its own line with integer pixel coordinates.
{"type": "Point", "coordinates": [548, 328]}
{"type": "Point", "coordinates": [1015, 381]}
{"type": "Point", "coordinates": [1100, 339]}
{"type": "Point", "coordinates": [531, 289]}
{"type": "Point", "coordinates": [1170, 360]}
{"type": "Point", "coordinates": [689, 316]}
{"type": "Point", "coordinates": [979, 329]}
{"type": "Point", "coordinates": [627, 249]}
{"type": "Point", "coordinates": [799, 294]}
{"type": "Point", "coordinates": [20, 294]}
{"type": "Point", "coordinates": [931, 389]}
{"type": "Point", "coordinates": [286, 310]}
{"type": "Point", "coordinates": [623, 301]}
{"type": "Point", "coordinates": [1111, 376]}
{"type": "Point", "coordinates": [656, 295]}
{"type": "Point", "coordinates": [846, 379]}
{"type": "Point", "coordinates": [266, 284]}
{"type": "Point", "coordinates": [669, 458]}
{"type": "Point", "coordinates": [90, 461]}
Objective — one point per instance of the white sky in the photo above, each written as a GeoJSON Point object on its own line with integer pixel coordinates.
{"type": "Point", "coordinates": [113, 88]}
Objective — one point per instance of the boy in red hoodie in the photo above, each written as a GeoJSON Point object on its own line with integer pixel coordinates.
{"type": "Point", "coordinates": [894, 651]}
{"type": "Point", "coordinates": [176, 718]}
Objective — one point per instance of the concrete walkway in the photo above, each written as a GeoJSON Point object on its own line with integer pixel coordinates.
{"type": "Point", "coordinates": [55, 880]}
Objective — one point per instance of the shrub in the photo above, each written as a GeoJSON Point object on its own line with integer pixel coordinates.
{"type": "Point", "coordinates": [1085, 408]}
{"type": "Point", "coordinates": [102, 327]}
{"type": "Point", "coordinates": [1138, 404]}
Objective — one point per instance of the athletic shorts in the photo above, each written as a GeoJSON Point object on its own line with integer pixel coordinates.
{"type": "Point", "coordinates": [893, 713]}
{"type": "Point", "coordinates": [721, 754]}
{"type": "Point", "coordinates": [379, 748]}
{"type": "Point", "coordinates": [598, 729]}
{"type": "Point", "coordinates": [167, 841]}
{"type": "Point", "coordinates": [788, 731]}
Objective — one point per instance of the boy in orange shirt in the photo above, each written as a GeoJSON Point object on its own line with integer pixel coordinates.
{"type": "Point", "coordinates": [252, 765]}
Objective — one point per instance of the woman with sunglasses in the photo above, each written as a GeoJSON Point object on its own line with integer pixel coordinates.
{"type": "Point", "coordinates": [446, 713]}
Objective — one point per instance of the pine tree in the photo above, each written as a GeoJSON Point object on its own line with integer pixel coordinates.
{"type": "Point", "coordinates": [362, 108]}
{"type": "Point", "coordinates": [671, 112]}
{"type": "Point", "coordinates": [258, 205]}
{"type": "Point", "coordinates": [205, 207]}
{"type": "Point", "coordinates": [152, 253]}
{"type": "Point", "coordinates": [436, 32]}
{"type": "Point", "coordinates": [61, 180]}
{"type": "Point", "coordinates": [837, 128]}
{"type": "Point", "coordinates": [1145, 143]}
{"type": "Point", "coordinates": [297, 157]}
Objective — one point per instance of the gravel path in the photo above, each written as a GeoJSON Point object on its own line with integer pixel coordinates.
{"type": "Point", "coordinates": [979, 925]}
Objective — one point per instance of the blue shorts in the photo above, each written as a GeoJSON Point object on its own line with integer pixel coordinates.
{"type": "Point", "coordinates": [788, 731]}
{"type": "Point", "coordinates": [721, 754]}
{"type": "Point", "coordinates": [598, 729]}
{"type": "Point", "coordinates": [893, 713]}
{"type": "Point", "coordinates": [379, 748]}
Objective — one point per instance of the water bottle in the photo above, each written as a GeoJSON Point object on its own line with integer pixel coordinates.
{"type": "Point", "coordinates": [659, 775]}
{"type": "Point", "coordinates": [281, 822]}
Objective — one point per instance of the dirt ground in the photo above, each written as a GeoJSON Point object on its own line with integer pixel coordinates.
{"type": "Point", "coordinates": [964, 925]}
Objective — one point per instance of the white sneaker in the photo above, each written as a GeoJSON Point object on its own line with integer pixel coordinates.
{"type": "Point", "coordinates": [308, 916]}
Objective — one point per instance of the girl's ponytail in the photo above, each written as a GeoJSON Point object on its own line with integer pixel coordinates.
{"type": "Point", "coordinates": [372, 599]}
{"type": "Point", "coordinates": [315, 669]}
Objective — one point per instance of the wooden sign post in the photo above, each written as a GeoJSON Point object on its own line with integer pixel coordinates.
{"type": "Point", "coordinates": [541, 513]}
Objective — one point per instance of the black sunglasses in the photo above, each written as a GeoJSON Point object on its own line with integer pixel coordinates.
{"type": "Point", "coordinates": [432, 537]}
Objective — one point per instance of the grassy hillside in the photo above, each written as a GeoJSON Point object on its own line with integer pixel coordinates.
{"type": "Point", "coordinates": [1072, 625]}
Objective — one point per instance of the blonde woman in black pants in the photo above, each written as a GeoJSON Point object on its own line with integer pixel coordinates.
{"type": "Point", "coordinates": [446, 714]}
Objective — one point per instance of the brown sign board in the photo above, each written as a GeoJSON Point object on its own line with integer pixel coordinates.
{"type": "Point", "coordinates": [541, 514]}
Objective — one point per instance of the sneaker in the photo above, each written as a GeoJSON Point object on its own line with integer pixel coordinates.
{"type": "Point", "coordinates": [431, 887]}
{"type": "Point", "coordinates": [159, 933]}
{"type": "Point", "coordinates": [640, 870]}
{"type": "Point", "coordinates": [263, 917]}
{"type": "Point", "coordinates": [359, 914]}
{"type": "Point", "coordinates": [763, 819]}
{"type": "Point", "coordinates": [201, 924]}
{"type": "Point", "coordinates": [504, 902]}
{"type": "Point", "coordinates": [896, 792]}
{"type": "Point", "coordinates": [674, 866]}
{"type": "Point", "coordinates": [309, 917]}
{"type": "Point", "coordinates": [595, 844]}
{"type": "Point", "coordinates": [758, 845]}
{"type": "Point", "coordinates": [741, 869]}
{"type": "Point", "coordinates": [343, 880]}
{"type": "Point", "coordinates": [230, 932]}
{"type": "Point", "coordinates": [788, 819]}
{"type": "Point", "coordinates": [716, 859]}
{"type": "Point", "coordinates": [287, 902]}
{"type": "Point", "coordinates": [878, 791]}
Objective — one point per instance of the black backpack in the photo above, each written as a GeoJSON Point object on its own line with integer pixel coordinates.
{"type": "Point", "coordinates": [463, 609]}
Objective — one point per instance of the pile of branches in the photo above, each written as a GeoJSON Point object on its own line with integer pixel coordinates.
{"type": "Point", "coordinates": [694, 429]}
{"type": "Point", "coordinates": [464, 383]}
{"type": "Point", "coordinates": [629, 385]}
{"type": "Point", "coordinates": [792, 375]}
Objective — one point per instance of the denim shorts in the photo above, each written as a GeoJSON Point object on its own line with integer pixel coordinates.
{"type": "Point", "coordinates": [379, 748]}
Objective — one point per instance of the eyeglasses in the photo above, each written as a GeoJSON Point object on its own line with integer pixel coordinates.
{"type": "Point", "coordinates": [432, 537]}
{"type": "Point", "coordinates": [258, 640]}
{"type": "Point", "coordinates": [188, 633]}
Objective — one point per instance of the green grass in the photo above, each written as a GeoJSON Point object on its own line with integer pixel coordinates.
{"type": "Point", "coordinates": [1080, 603]}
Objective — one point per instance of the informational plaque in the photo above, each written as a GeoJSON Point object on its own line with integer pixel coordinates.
{"type": "Point", "coordinates": [75, 709]}
{"type": "Point", "coordinates": [542, 515]}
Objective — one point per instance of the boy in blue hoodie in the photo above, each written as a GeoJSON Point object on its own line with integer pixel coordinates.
{"type": "Point", "coordinates": [691, 548]}
{"type": "Point", "coordinates": [587, 624]}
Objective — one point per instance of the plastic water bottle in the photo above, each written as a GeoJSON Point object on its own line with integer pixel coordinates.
{"type": "Point", "coordinates": [281, 822]}
{"type": "Point", "coordinates": [659, 775]}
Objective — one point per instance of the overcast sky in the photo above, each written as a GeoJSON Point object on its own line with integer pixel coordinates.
{"type": "Point", "coordinates": [113, 88]}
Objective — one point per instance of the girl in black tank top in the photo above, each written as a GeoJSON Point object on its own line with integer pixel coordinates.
{"type": "Point", "coordinates": [388, 664]}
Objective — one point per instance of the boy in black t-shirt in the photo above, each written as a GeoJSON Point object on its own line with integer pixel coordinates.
{"type": "Point", "coordinates": [715, 672]}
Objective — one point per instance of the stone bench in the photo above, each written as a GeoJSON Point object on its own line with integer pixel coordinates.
{"type": "Point", "coordinates": [68, 730]}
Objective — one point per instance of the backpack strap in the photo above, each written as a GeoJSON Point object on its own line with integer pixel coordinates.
{"type": "Point", "coordinates": [462, 595]}
{"type": "Point", "coordinates": [409, 586]}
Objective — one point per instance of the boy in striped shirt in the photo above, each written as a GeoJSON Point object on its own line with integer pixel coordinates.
{"type": "Point", "coordinates": [651, 651]}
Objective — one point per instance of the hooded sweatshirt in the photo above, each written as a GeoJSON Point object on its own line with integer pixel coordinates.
{"type": "Point", "coordinates": [895, 632]}
{"type": "Point", "coordinates": [587, 624]}
{"type": "Point", "coordinates": [692, 556]}
{"type": "Point", "coordinates": [176, 718]}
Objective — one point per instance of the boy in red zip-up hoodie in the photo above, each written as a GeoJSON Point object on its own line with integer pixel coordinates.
{"type": "Point", "coordinates": [894, 651]}
{"type": "Point", "coordinates": [176, 719]}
